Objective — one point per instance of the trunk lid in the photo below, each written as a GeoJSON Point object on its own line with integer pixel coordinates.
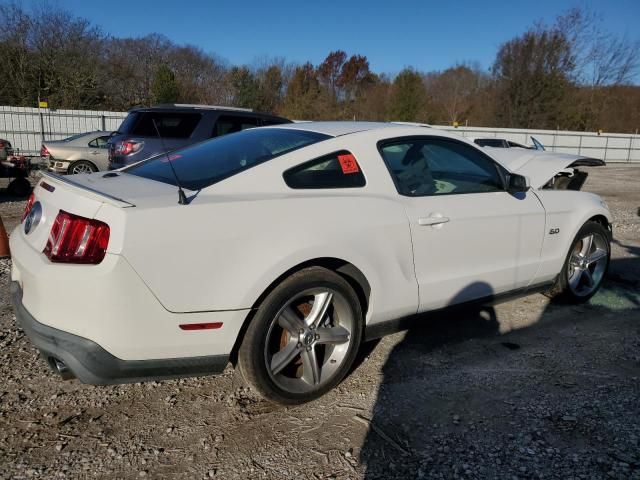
{"type": "Point", "coordinates": [84, 195]}
{"type": "Point", "coordinates": [118, 188]}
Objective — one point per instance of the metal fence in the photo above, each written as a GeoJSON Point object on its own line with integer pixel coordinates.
{"type": "Point", "coordinates": [610, 147]}
{"type": "Point", "coordinates": [26, 128]}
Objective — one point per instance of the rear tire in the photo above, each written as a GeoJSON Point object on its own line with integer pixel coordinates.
{"type": "Point", "coordinates": [585, 267]}
{"type": "Point", "coordinates": [81, 166]}
{"type": "Point", "coordinates": [303, 338]}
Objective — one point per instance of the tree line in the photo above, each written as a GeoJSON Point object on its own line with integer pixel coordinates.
{"type": "Point", "coordinates": [570, 74]}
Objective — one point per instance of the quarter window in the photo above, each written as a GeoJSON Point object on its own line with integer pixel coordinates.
{"type": "Point", "coordinates": [439, 167]}
{"type": "Point", "coordinates": [337, 170]}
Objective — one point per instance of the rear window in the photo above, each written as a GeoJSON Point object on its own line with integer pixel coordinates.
{"type": "Point", "coordinates": [230, 124]}
{"type": "Point", "coordinates": [209, 162]}
{"type": "Point", "coordinates": [170, 124]}
{"type": "Point", "coordinates": [73, 137]}
{"type": "Point", "coordinates": [490, 142]}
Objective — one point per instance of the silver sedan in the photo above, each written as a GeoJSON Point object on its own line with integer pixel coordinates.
{"type": "Point", "coordinates": [83, 153]}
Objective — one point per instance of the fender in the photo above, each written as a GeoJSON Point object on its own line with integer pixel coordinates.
{"type": "Point", "coordinates": [566, 212]}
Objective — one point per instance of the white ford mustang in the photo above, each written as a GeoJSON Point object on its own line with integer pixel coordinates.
{"type": "Point", "coordinates": [282, 248]}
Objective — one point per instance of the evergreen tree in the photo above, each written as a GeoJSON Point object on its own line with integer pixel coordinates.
{"type": "Point", "coordinates": [164, 88]}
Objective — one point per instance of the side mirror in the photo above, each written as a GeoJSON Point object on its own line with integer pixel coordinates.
{"type": "Point", "coordinates": [517, 183]}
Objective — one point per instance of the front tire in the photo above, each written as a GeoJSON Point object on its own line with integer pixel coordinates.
{"type": "Point", "coordinates": [304, 337]}
{"type": "Point", "coordinates": [586, 265]}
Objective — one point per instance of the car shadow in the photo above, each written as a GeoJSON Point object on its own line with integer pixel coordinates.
{"type": "Point", "coordinates": [7, 197]}
{"type": "Point", "coordinates": [465, 393]}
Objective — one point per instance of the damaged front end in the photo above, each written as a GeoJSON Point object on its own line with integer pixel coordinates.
{"type": "Point", "coordinates": [547, 170]}
{"type": "Point", "coordinates": [571, 178]}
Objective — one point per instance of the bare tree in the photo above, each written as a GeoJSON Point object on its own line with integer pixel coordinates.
{"type": "Point", "coordinates": [454, 92]}
{"type": "Point", "coordinates": [600, 57]}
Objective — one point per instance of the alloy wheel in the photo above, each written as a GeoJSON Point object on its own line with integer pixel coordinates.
{"type": "Point", "coordinates": [587, 264]}
{"type": "Point", "coordinates": [308, 340]}
{"type": "Point", "coordinates": [81, 168]}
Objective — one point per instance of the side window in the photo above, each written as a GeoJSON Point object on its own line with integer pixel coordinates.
{"type": "Point", "coordinates": [232, 123]}
{"type": "Point", "coordinates": [337, 170]}
{"type": "Point", "coordinates": [439, 167]}
{"type": "Point", "coordinates": [100, 142]}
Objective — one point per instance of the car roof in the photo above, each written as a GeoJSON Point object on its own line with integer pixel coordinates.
{"type": "Point", "coordinates": [95, 133]}
{"type": "Point", "coordinates": [382, 129]}
{"type": "Point", "coordinates": [169, 107]}
{"type": "Point", "coordinates": [191, 106]}
{"type": "Point", "coordinates": [337, 129]}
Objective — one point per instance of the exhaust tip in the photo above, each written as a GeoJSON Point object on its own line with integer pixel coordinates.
{"type": "Point", "coordinates": [61, 368]}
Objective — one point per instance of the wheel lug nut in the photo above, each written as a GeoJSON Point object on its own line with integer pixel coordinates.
{"type": "Point", "coordinates": [317, 336]}
{"type": "Point", "coordinates": [309, 348]}
{"type": "Point", "coordinates": [299, 344]}
{"type": "Point", "coordinates": [301, 331]}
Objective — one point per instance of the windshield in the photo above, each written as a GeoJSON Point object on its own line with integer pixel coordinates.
{"type": "Point", "coordinates": [209, 162]}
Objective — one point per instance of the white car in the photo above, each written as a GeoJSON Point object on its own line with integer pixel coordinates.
{"type": "Point", "coordinates": [496, 142]}
{"type": "Point", "coordinates": [285, 247]}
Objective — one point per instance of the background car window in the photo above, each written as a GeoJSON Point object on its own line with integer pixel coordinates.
{"type": "Point", "coordinates": [100, 142]}
{"type": "Point", "coordinates": [232, 123]}
{"type": "Point", "coordinates": [206, 163]}
{"type": "Point", "coordinates": [490, 142]}
{"type": "Point", "coordinates": [170, 124]}
{"type": "Point", "coordinates": [439, 167]}
{"type": "Point", "coordinates": [337, 170]}
{"type": "Point", "coordinates": [267, 122]}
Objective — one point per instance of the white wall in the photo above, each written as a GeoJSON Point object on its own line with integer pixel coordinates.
{"type": "Point", "coordinates": [611, 147]}
{"type": "Point", "coordinates": [22, 127]}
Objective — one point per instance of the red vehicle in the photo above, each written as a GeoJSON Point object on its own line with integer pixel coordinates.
{"type": "Point", "coordinates": [16, 167]}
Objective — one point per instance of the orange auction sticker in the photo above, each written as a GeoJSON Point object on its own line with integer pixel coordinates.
{"type": "Point", "coordinates": [348, 163]}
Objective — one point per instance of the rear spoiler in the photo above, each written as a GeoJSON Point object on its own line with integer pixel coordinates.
{"type": "Point", "coordinates": [86, 191]}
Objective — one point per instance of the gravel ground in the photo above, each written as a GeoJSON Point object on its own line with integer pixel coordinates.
{"type": "Point", "coordinates": [527, 389]}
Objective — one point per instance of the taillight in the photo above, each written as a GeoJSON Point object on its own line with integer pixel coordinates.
{"type": "Point", "coordinates": [75, 239]}
{"type": "Point", "coordinates": [127, 147]}
{"type": "Point", "coordinates": [27, 209]}
{"type": "Point", "coordinates": [44, 152]}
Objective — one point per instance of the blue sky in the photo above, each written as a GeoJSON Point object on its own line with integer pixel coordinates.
{"type": "Point", "coordinates": [393, 34]}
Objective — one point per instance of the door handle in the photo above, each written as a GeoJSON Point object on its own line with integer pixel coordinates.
{"type": "Point", "coordinates": [433, 219]}
{"type": "Point", "coordinates": [95, 153]}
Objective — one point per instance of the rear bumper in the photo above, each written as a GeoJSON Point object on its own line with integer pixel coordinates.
{"type": "Point", "coordinates": [58, 166]}
{"type": "Point", "coordinates": [92, 364]}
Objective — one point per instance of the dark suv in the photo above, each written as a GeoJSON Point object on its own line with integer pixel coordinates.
{"type": "Point", "coordinates": [178, 125]}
